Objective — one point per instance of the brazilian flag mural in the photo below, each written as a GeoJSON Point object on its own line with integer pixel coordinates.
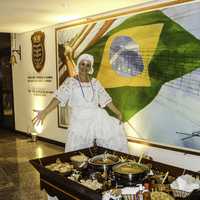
{"type": "Point", "coordinates": [150, 65]}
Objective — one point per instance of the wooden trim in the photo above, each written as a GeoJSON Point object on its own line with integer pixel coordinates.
{"type": "Point", "coordinates": [83, 37]}
{"type": "Point", "coordinates": [59, 189]}
{"type": "Point", "coordinates": [57, 70]}
{"type": "Point", "coordinates": [130, 139]}
{"type": "Point", "coordinates": [86, 30]}
{"type": "Point", "coordinates": [126, 11]}
{"type": "Point", "coordinates": [57, 79]}
{"type": "Point", "coordinates": [100, 33]}
{"type": "Point", "coordinates": [79, 36]}
{"type": "Point", "coordinates": [162, 146]}
{"type": "Point", "coordinates": [51, 141]}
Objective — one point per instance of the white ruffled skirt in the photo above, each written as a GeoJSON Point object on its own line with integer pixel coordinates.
{"type": "Point", "coordinates": [87, 124]}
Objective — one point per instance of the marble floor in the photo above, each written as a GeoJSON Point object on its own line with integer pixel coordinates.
{"type": "Point", "coordinates": [18, 179]}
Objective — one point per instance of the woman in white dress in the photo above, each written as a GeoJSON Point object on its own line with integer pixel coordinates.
{"type": "Point", "coordinates": [88, 120]}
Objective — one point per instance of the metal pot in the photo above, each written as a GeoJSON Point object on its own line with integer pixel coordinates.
{"type": "Point", "coordinates": [103, 162]}
{"type": "Point", "coordinates": [134, 173]}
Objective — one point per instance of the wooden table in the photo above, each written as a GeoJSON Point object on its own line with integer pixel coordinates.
{"type": "Point", "coordinates": [66, 189]}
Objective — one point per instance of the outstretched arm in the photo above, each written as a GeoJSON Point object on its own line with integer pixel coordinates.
{"type": "Point", "coordinates": [43, 113]}
{"type": "Point", "coordinates": [113, 108]}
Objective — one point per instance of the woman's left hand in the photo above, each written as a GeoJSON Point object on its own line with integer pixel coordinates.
{"type": "Point", "coordinates": [118, 114]}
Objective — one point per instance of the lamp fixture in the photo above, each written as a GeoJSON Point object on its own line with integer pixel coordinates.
{"type": "Point", "coordinates": [18, 51]}
{"type": "Point", "coordinates": [13, 59]}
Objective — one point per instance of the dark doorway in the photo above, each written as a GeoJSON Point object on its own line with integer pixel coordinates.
{"type": "Point", "coordinates": [6, 86]}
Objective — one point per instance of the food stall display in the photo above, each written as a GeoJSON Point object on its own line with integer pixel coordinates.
{"type": "Point", "coordinates": [98, 173]}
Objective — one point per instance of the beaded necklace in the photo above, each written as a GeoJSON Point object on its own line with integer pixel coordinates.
{"type": "Point", "coordinates": [83, 94]}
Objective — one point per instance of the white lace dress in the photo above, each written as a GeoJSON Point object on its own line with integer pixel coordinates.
{"type": "Point", "coordinates": [88, 119]}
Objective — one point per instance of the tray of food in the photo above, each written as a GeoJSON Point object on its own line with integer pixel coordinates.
{"type": "Point", "coordinates": [61, 167]}
{"type": "Point", "coordinates": [79, 160]}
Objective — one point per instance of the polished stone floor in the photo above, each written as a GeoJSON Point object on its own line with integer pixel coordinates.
{"type": "Point", "coordinates": [18, 179]}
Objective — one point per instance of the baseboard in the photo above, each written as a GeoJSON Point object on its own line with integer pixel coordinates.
{"type": "Point", "coordinates": [41, 138]}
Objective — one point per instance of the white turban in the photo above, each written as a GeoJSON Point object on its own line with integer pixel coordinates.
{"type": "Point", "coordinates": [86, 57]}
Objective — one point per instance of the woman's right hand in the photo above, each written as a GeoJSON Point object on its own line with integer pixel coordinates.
{"type": "Point", "coordinates": [39, 117]}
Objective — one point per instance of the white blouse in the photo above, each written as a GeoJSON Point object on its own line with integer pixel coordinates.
{"type": "Point", "coordinates": [82, 94]}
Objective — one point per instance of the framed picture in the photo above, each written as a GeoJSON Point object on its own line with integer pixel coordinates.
{"type": "Point", "coordinates": [149, 64]}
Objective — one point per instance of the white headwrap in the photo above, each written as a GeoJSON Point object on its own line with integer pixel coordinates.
{"type": "Point", "coordinates": [86, 57]}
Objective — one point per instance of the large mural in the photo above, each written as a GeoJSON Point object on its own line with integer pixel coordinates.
{"type": "Point", "coordinates": [150, 65]}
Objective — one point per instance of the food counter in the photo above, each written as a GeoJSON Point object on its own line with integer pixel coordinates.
{"type": "Point", "coordinates": [60, 174]}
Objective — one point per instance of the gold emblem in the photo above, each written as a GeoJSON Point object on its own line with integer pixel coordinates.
{"type": "Point", "coordinates": [38, 50]}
